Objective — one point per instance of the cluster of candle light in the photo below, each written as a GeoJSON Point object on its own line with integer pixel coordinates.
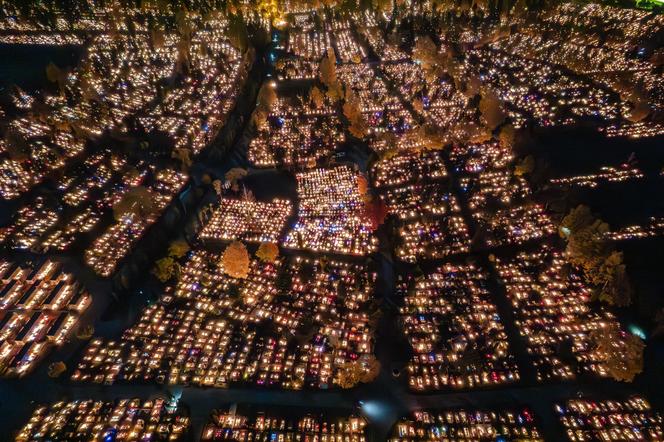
{"type": "Point", "coordinates": [579, 50]}
{"type": "Point", "coordinates": [642, 129]}
{"type": "Point", "coordinates": [369, 88]}
{"type": "Point", "coordinates": [441, 104]}
{"type": "Point", "coordinates": [552, 308]}
{"type": "Point", "coordinates": [272, 425]}
{"type": "Point", "coordinates": [540, 92]}
{"type": "Point", "coordinates": [128, 420]}
{"type": "Point", "coordinates": [493, 187]}
{"type": "Point", "coordinates": [117, 241]}
{"type": "Point", "coordinates": [456, 334]}
{"type": "Point", "coordinates": [193, 114]}
{"type": "Point", "coordinates": [330, 214]}
{"type": "Point", "coordinates": [251, 221]}
{"type": "Point", "coordinates": [462, 425]}
{"type": "Point", "coordinates": [90, 190]}
{"type": "Point", "coordinates": [607, 174]}
{"type": "Point", "coordinates": [409, 168]}
{"type": "Point", "coordinates": [124, 74]}
{"type": "Point", "coordinates": [296, 68]}
{"type": "Point", "coordinates": [654, 227]}
{"type": "Point", "coordinates": [515, 225]}
{"type": "Point", "coordinates": [432, 238]}
{"type": "Point", "coordinates": [29, 224]}
{"type": "Point", "coordinates": [385, 50]}
{"type": "Point", "coordinates": [94, 18]}
{"type": "Point", "coordinates": [420, 199]}
{"type": "Point", "coordinates": [310, 45]}
{"type": "Point", "coordinates": [630, 22]}
{"type": "Point", "coordinates": [610, 420]}
{"type": "Point", "coordinates": [348, 48]}
{"type": "Point", "coordinates": [497, 196]}
{"type": "Point", "coordinates": [109, 67]}
{"type": "Point", "coordinates": [51, 39]}
{"type": "Point", "coordinates": [296, 135]}
{"type": "Point", "coordinates": [215, 330]}
{"type": "Point", "coordinates": [39, 307]}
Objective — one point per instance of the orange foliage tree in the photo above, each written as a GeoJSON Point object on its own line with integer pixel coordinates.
{"type": "Point", "coordinates": [235, 260]}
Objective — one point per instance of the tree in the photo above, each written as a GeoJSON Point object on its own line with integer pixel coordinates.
{"type": "Point", "coordinates": [620, 354]}
{"type": "Point", "coordinates": [56, 369]}
{"type": "Point", "coordinates": [425, 52]}
{"type": "Point", "coordinates": [259, 118]}
{"type": "Point", "coordinates": [216, 184]}
{"type": "Point", "coordinates": [611, 279]}
{"type": "Point", "coordinates": [327, 70]}
{"type": "Point", "coordinates": [358, 128]}
{"type": "Point", "coordinates": [525, 166]}
{"type": "Point", "coordinates": [233, 175]}
{"type": "Point", "coordinates": [182, 154]}
{"type": "Point", "coordinates": [588, 249]}
{"type": "Point", "coordinates": [316, 97]}
{"type": "Point", "coordinates": [267, 96]}
{"type": "Point", "coordinates": [235, 260]}
{"type": "Point", "coordinates": [353, 113]}
{"type": "Point", "coordinates": [56, 75]}
{"type": "Point", "coordinates": [267, 252]}
{"type": "Point", "coordinates": [157, 37]}
{"type": "Point", "coordinates": [85, 333]}
{"type": "Point", "coordinates": [236, 32]}
{"type": "Point", "coordinates": [375, 211]}
{"type": "Point", "coordinates": [640, 110]}
{"type": "Point", "coordinates": [658, 330]}
{"type": "Point", "coordinates": [178, 248]}
{"type": "Point", "coordinates": [16, 146]}
{"type": "Point", "coordinates": [579, 218]}
{"type": "Point", "coordinates": [371, 369]}
{"type": "Point", "coordinates": [349, 375]}
{"type": "Point", "coordinates": [52, 72]}
{"type": "Point", "coordinates": [137, 200]}
{"type": "Point", "coordinates": [418, 106]}
{"type": "Point", "coordinates": [362, 185]}
{"type": "Point", "coordinates": [363, 370]}
{"type": "Point", "coordinates": [491, 109]}
{"type": "Point", "coordinates": [430, 137]}
{"type": "Point", "coordinates": [507, 136]}
{"type": "Point", "coordinates": [183, 58]}
{"type": "Point", "coordinates": [164, 269]}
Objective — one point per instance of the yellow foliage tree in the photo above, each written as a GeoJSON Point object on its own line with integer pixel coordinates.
{"type": "Point", "coordinates": [327, 70]}
{"type": "Point", "coordinates": [316, 97]}
{"type": "Point", "coordinates": [267, 252]}
{"type": "Point", "coordinates": [178, 249]}
{"type": "Point", "coordinates": [235, 260]}
{"type": "Point", "coordinates": [164, 269]}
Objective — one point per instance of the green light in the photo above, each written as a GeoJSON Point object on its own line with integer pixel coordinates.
{"type": "Point", "coordinates": [637, 331]}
